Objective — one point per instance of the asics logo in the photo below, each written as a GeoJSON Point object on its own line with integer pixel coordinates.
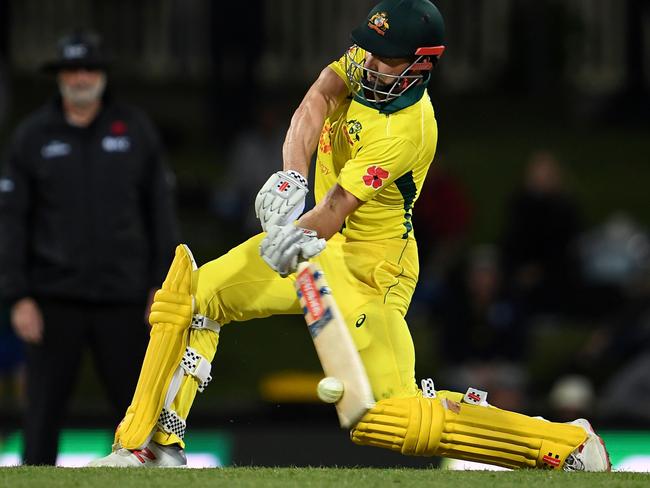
{"type": "Point", "coordinates": [360, 320]}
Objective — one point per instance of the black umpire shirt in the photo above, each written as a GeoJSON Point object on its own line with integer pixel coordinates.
{"type": "Point", "coordinates": [85, 213]}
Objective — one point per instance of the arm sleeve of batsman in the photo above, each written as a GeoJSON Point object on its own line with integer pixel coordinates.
{"type": "Point", "coordinates": [14, 215]}
{"type": "Point", "coordinates": [376, 166]}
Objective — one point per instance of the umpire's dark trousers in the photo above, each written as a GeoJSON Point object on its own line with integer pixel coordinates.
{"type": "Point", "coordinates": [116, 335]}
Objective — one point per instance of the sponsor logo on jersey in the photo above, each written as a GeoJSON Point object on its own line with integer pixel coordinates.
{"type": "Point", "coordinates": [379, 23]}
{"type": "Point", "coordinates": [55, 149]}
{"type": "Point", "coordinates": [116, 144]}
{"type": "Point", "coordinates": [375, 176]}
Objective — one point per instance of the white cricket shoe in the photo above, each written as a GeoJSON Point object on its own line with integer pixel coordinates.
{"type": "Point", "coordinates": [152, 456]}
{"type": "Point", "coordinates": [591, 455]}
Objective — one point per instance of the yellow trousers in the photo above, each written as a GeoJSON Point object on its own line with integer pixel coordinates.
{"type": "Point", "coordinates": [372, 283]}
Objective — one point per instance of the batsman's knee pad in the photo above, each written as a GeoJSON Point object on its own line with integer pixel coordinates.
{"type": "Point", "coordinates": [475, 432]}
{"type": "Point", "coordinates": [172, 316]}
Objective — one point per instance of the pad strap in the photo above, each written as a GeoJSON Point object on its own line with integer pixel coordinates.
{"type": "Point", "coordinates": [428, 388]}
{"type": "Point", "coordinates": [171, 422]}
{"type": "Point", "coordinates": [196, 365]}
{"type": "Point", "coordinates": [203, 322]}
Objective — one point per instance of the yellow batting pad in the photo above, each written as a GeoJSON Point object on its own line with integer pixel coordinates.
{"type": "Point", "coordinates": [170, 308]}
{"type": "Point", "coordinates": [426, 426]}
{"type": "Point", "coordinates": [411, 426]}
{"type": "Point", "coordinates": [205, 343]}
{"type": "Point", "coordinates": [170, 318]}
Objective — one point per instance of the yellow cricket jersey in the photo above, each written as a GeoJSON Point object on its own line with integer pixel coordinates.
{"type": "Point", "coordinates": [382, 159]}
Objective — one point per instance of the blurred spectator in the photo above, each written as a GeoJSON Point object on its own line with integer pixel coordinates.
{"type": "Point", "coordinates": [441, 222]}
{"type": "Point", "coordinates": [483, 336]}
{"type": "Point", "coordinates": [572, 397]}
{"type": "Point", "coordinates": [616, 358]}
{"type": "Point", "coordinates": [252, 152]}
{"type": "Point", "coordinates": [87, 229]}
{"type": "Point", "coordinates": [612, 256]}
{"type": "Point", "coordinates": [542, 225]}
{"type": "Point", "coordinates": [615, 253]}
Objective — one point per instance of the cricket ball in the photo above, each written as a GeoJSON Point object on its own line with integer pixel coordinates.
{"type": "Point", "coordinates": [330, 389]}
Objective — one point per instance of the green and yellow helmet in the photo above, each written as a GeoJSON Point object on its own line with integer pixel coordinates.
{"type": "Point", "coordinates": [412, 29]}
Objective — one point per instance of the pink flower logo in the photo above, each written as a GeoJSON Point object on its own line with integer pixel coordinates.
{"type": "Point", "coordinates": [375, 176]}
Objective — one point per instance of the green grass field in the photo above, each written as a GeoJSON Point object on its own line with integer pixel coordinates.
{"type": "Point", "coordinates": [307, 477]}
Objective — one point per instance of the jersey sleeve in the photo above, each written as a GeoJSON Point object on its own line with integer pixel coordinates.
{"type": "Point", "coordinates": [377, 166]}
{"type": "Point", "coordinates": [339, 67]}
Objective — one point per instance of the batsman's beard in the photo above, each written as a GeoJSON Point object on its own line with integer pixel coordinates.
{"type": "Point", "coordinates": [371, 87]}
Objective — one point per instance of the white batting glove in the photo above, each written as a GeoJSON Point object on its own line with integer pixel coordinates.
{"type": "Point", "coordinates": [282, 199]}
{"type": "Point", "coordinates": [286, 245]}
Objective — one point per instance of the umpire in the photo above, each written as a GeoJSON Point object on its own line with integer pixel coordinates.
{"type": "Point", "coordinates": [87, 229]}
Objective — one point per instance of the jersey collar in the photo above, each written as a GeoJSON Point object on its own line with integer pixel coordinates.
{"type": "Point", "coordinates": [411, 97]}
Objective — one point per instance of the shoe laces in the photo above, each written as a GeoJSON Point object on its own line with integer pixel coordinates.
{"type": "Point", "coordinates": [573, 462]}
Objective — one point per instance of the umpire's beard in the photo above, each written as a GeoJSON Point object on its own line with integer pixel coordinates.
{"type": "Point", "coordinates": [83, 95]}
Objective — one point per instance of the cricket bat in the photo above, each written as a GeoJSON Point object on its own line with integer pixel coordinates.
{"type": "Point", "coordinates": [336, 350]}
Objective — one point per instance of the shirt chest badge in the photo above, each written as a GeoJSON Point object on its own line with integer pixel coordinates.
{"type": "Point", "coordinates": [117, 141]}
{"type": "Point", "coordinates": [55, 149]}
{"type": "Point", "coordinates": [116, 144]}
{"type": "Point", "coordinates": [352, 129]}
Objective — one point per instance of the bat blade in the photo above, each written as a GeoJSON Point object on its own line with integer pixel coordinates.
{"type": "Point", "coordinates": [334, 345]}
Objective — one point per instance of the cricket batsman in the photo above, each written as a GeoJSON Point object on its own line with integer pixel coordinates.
{"type": "Point", "coordinates": [371, 121]}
